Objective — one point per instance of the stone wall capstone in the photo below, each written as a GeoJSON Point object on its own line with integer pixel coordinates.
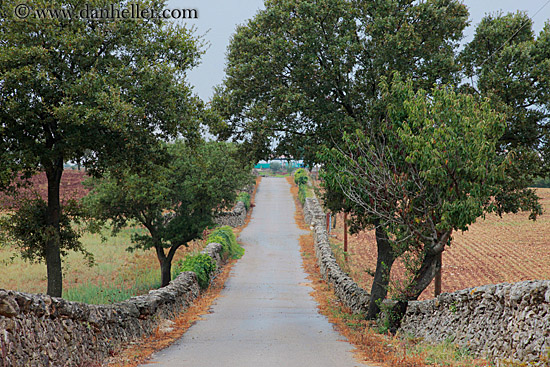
{"type": "Point", "coordinates": [502, 321]}
{"type": "Point", "coordinates": [349, 293]}
{"type": "Point", "coordinates": [39, 330]}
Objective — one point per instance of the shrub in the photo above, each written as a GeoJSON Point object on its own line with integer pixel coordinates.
{"type": "Point", "coordinates": [225, 236]}
{"type": "Point", "coordinates": [245, 198]}
{"type": "Point", "coordinates": [300, 177]}
{"type": "Point", "coordinates": [200, 264]}
{"type": "Point", "coordinates": [302, 194]}
{"type": "Point", "coordinates": [275, 166]}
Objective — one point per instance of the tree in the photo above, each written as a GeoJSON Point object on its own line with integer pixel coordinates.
{"type": "Point", "coordinates": [432, 170]}
{"type": "Point", "coordinates": [174, 201]}
{"type": "Point", "coordinates": [506, 63]}
{"type": "Point", "coordinates": [300, 74]}
{"type": "Point", "coordinates": [275, 166]}
{"type": "Point", "coordinates": [94, 92]}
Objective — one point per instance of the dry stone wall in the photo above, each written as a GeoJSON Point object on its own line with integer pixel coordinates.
{"type": "Point", "coordinates": [39, 330]}
{"type": "Point", "coordinates": [351, 295]}
{"type": "Point", "coordinates": [234, 218]}
{"type": "Point", "coordinates": [502, 321]}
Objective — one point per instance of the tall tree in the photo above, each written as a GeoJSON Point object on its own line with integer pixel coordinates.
{"type": "Point", "coordinates": [174, 201]}
{"type": "Point", "coordinates": [508, 64]}
{"type": "Point", "coordinates": [94, 92]}
{"type": "Point", "coordinates": [435, 169]}
{"type": "Point", "coordinates": [301, 73]}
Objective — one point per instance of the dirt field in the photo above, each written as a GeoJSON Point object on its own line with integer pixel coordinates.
{"type": "Point", "coordinates": [494, 250]}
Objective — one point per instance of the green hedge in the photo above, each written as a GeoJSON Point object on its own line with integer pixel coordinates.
{"type": "Point", "coordinates": [225, 236]}
{"type": "Point", "coordinates": [200, 264]}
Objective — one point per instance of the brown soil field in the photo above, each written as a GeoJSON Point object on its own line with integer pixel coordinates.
{"type": "Point", "coordinates": [494, 250]}
{"type": "Point", "coordinates": [71, 188]}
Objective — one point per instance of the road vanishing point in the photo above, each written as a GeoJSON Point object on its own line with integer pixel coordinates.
{"type": "Point", "coordinates": [265, 315]}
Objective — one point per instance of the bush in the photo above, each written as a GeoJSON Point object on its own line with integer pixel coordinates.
{"type": "Point", "coordinates": [275, 167]}
{"type": "Point", "coordinates": [201, 264]}
{"type": "Point", "coordinates": [300, 177]}
{"type": "Point", "coordinates": [245, 198]}
{"type": "Point", "coordinates": [225, 236]}
{"type": "Point", "coordinates": [302, 194]}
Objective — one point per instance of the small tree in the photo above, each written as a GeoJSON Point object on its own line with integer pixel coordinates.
{"type": "Point", "coordinates": [433, 168]}
{"type": "Point", "coordinates": [275, 167]}
{"type": "Point", "coordinates": [175, 201]}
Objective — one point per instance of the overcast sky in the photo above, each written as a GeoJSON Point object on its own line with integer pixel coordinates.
{"type": "Point", "coordinates": [218, 19]}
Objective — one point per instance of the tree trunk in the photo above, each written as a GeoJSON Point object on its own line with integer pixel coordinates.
{"type": "Point", "coordinates": [165, 271]}
{"type": "Point", "coordinates": [53, 214]}
{"type": "Point", "coordinates": [384, 263]}
{"type": "Point", "coordinates": [431, 265]}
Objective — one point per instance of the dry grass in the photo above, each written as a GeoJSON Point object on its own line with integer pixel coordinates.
{"type": "Point", "coordinates": [112, 263]}
{"type": "Point", "coordinates": [494, 250]}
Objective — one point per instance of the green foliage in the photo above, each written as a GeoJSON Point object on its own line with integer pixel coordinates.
{"type": "Point", "coordinates": [225, 236]}
{"type": "Point", "coordinates": [200, 264]}
{"type": "Point", "coordinates": [542, 182]}
{"type": "Point", "coordinates": [275, 167]}
{"type": "Point", "coordinates": [28, 230]}
{"type": "Point", "coordinates": [433, 168]}
{"type": "Point", "coordinates": [386, 318]}
{"type": "Point", "coordinates": [302, 194]}
{"type": "Point", "coordinates": [300, 73]}
{"type": "Point", "coordinates": [509, 65]}
{"type": "Point", "coordinates": [300, 176]}
{"type": "Point", "coordinates": [245, 198]}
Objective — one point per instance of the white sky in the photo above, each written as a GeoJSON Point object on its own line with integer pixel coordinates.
{"type": "Point", "coordinates": [220, 17]}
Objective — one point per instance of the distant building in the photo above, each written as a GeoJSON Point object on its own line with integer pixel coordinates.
{"type": "Point", "coordinates": [285, 163]}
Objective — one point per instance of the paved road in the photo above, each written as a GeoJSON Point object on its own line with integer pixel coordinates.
{"type": "Point", "coordinates": [265, 315]}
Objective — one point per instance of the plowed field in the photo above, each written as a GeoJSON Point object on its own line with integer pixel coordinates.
{"type": "Point", "coordinates": [494, 250]}
{"type": "Point", "coordinates": [71, 188]}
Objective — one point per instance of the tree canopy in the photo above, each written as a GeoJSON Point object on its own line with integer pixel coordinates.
{"type": "Point", "coordinates": [305, 76]}
{"type": "Point", "coordinates": [508, 64]}
{"type": "Point", "coordinates": [301, 72]}
{"type": "Point", "coordinates": [94, 92]}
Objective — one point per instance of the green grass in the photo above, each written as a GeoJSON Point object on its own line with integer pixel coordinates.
{"type": "Point", "coordinates": [117, 291]}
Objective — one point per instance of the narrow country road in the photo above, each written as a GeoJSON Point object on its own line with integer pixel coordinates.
{"type": "Point", "coordinates": [265, 315]}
